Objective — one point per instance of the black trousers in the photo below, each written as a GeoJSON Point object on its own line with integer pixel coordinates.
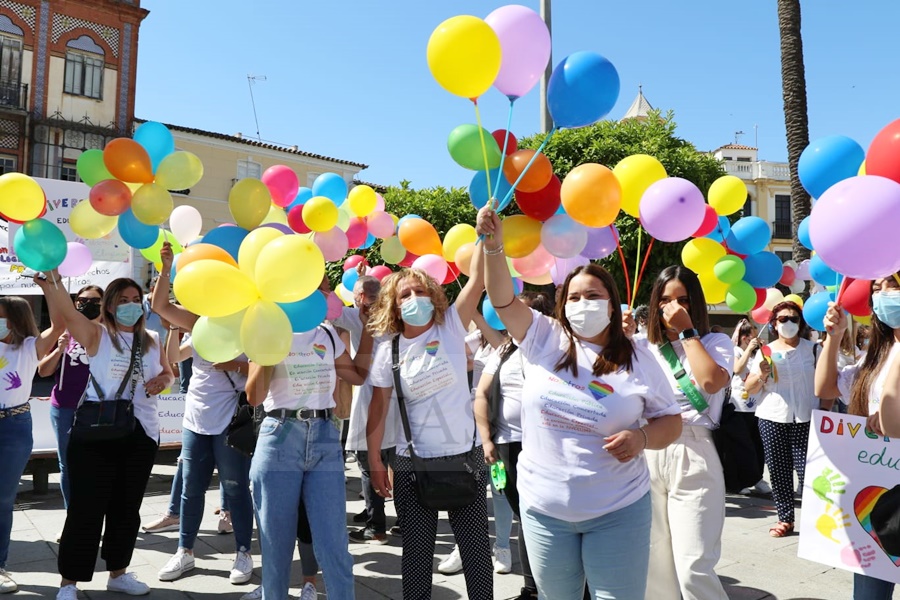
{"type": "Point", "coordinates": [108, 481]}
{"type": "Point", "coordinates": [509, 454]}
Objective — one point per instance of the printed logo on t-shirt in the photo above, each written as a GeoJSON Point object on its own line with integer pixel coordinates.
{"type": "Point", "coordinates": [77, 354]}
{"type": "Point", "coordinates": [319, 349]}
{"type": "Point", "coordinates": [600, 389]}
{"type": "Point", "coordinates": [432, 347]}
{"type": "Point", "coordinates": [11, 378]}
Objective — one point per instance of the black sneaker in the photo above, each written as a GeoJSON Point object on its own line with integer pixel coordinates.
{"type": "Point", "coordinates": [361, 517]}
{"type": "Point", "coordinates": [368, 536]}
{"type": "Point", "coordinates": [396, 530]}
{"type": "Point", "coordinates": [527, 594]}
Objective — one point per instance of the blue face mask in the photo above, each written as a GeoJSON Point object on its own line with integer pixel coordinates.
{"type": "Point", "coordinates": [130, 313]}
{"type": "Point", "coordinates": [417, 311]}
{"type": "Point", "coordinates": [4, 329]}
{"type": "Point", "coordinates": [887, 308]}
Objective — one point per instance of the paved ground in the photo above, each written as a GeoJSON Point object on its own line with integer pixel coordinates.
{"type": "Point", "coordinates": [753, 566]}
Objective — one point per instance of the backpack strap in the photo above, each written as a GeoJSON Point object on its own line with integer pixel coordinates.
{"type": "Point", "coordinates": [330, 337]}
{"type": "Point", "coordinates": [495, 393]}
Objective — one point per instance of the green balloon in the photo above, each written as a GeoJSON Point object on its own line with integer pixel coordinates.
{"type": "Point", "coordinates": [40, 245]}
{"type": "Point", "coordinates": [152, 253]}
{"type": "Point", "coordinates": [729, 269]}
{"type": "Point", "coordinates": [465, 146]}
{"type": "Point", "coordinates": [740, 297]}
{"type": "Point", "coordinates": [91, 168]}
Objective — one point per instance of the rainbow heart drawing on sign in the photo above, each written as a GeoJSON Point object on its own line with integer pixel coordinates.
{"type": "Point", "coordinates": [863, 505]}
{"type": "Point", "coordinates": [432, 347]}
{"type": "Point", "coordinates": [319, 349]}
{"type": "Point", "coordinates": [600, 390]}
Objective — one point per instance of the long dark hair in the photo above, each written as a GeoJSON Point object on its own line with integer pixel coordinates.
{"type": "Point", "coordinates": [618, 352]}
{"type": "Point", "coordinates": [699, 315]}
{"type": "Point", "coordinates": [19, 319]}
{"type": "Point", "coordinates": [108, 313]}
{"type": "Point", "coordinates": [881, 340]}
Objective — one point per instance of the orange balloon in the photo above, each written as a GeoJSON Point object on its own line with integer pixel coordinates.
{"type": "Point", "coordinates": [521, 235]}
{"type": "Point", "coordinates": [127, 161]}
{"type": "Point", "coordinates": [536, 178]}
{"type": "Point", "coordinates": [463, 258]}
{"type": "Point", "coordinates": [592, 195]}
{"type": "Point", "coordinates": [204, 252]}
{"type": "Point", "coordinates": [419, 237]}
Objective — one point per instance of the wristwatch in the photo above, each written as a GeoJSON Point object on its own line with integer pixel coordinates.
{"type": "Point", "coordinates": [688, 334]}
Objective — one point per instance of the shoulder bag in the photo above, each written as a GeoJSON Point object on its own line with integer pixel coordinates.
{"type": "Point", "coordinates": [244, 426]}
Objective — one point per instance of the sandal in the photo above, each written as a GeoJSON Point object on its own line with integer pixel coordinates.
{"type": "Point", "coordinates": [781, 529]}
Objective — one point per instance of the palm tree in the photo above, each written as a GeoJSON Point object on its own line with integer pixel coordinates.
{"type": "Point", "coordinates": [796, 119]}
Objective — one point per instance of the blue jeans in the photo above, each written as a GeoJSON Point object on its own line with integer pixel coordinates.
{"type": "Point", "coordinates": [503, 517]}
{"type": "Point", "coordinates": [869, 588]}
{"type": "Point", "coordinates": [613, 551]}
{"type": "Point", "coordinates": [62, 419]}
{"type": "Point", "coordinates": [199, 455]}
{"type": "Point", "coordinates": [177, 488]}
{"type": "Point", "coordinates": [15, 448]}
{"type": "Point", "coordinates": [301, 459]}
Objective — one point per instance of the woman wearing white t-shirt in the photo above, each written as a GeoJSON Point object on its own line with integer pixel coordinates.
{"type": "Point", "coordinates": [108, 478]}
{"type": "Point", "coordinates": [687, 483]}
{"type": "Point", "coordinates": [582, 478]}
{"type": "Point", "coordinates": [21, 346]}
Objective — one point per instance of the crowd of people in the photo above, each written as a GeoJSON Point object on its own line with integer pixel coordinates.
{"type": "Point", "coordinates": [592, 425]}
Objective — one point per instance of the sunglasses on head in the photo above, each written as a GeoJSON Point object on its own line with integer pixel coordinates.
{"type": "Point", "coordinates": [84, 301]}
{"type": "Point", "coordinates": [785, 319]}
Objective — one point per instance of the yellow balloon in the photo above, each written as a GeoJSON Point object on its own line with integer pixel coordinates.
{"type": "Point", "coordinates": [21, 197]}
{"type": "Point", "coordinates": [701, 254]}
{"type": "Point", "coordinates": [867, 320]}
{"type": "Point", "coordinates": [362, 200]}
{"type": "Point", "coordinates": [252, 246]}
{"type": "Point", "coordinates": [773, 297]}
{"type": "Point", "coordinates": [179, 171]}
{"type": "Point", "coordinates": [459, 235]}
{"type": "Point", "coordinates": [727, 195]}
{"type": "Point", "coordinates": [152, 204]}
{"type": "Point", "coordinates": [276, 214]}
{"type": "Point", "coordinates": [795, 299]}
{"type": "Point", "coordinates": [195, 282]}
{"type": "Point", "coordinates": [132, 186]}
{"type": "Point", "coordinates": [521, 235]}
{"type": "Point", "coordinates": [713, 289]}
{"type": "Point", "coordinates": [343, 220]}
{"type": "Point", "coordinates": [392, 251]}
{"type": "Point", "coordinates": [218, 339]}
{"type": "Point", "coordinates": [266, 333]}
{"type": "Point", "coordinates": [544, 279]}
{"type": "Point", "coordinates": [344, 294]}
{"type": "Point", "coordinates": [249, 201]}
{"type": "Point", "coordinates": [88, 223]}
{"type": "Point", "coordinates": [288, 269]}
{"type": "Point", "coordinates": [320, 214]}
{"type": "Point", "coordinates": [862, 171]}
{"type": "Point", "coordinates": [464, 56]}
{"type": "Point", "coordinates": [635, 174]}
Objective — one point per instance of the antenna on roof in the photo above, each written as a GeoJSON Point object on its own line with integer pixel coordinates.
{"type": "Point", "coordinates": [737, 135]}
{"type": "Point", "coordinates": [250, 80]}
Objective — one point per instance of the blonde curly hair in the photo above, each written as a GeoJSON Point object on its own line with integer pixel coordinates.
{"type": "Point", "coordinates": [385, 313]}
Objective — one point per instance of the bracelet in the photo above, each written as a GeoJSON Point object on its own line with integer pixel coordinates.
{"type": "Point", "coordinates": [494, 252]}
{"type": "Point", "coordinates": [507, 305]}
{"type": "Point", "coordinates": [173, 327]}
{"type": "Point", "coordinates": [646, 439]}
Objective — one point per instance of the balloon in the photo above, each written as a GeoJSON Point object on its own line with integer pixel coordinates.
{"type": "Point", "coordinates": [435, 266]}
{"type": "Point", "coordinates": [468, 144]}
{"type": "Point", "coordinates": [544, 279]}
{"type": "Point", "coordinates": [330, 185]}
{"type": "Point", "coordinates": [21, 197]}
{"type": "Point", "coordinates": [127, 161]}
{"type": "Point", "coordinates": [249, 201]}
{"type": "Point", "coordinates": [798, 286]}
{"type": "Point", "coordinates": [380, 272]}
{"type": "Point", "coordinates": [335, 306]}
{"type": "Point", "coordinates": [533, 178]}
{"type": "Point", "coordinates": [828, 160]}
{"type": "Point", "coordinates": [583, 88]}
{"type": "Point", "coordinates": [601, 242]}
{"type": "Point", "coordinates": [289, 268]}
{"type": "Point", "coordinates": [502, 136]}
{"type": "Point", "coordinates": [40, 245]}
{"type": "Point", "coordinates": [721, 231]}
{"type": "Point", "coordinates": [730, 269]}
{"type": "Point", "coordinates": [713, 290]}
{"type": "Point", "coordinates": [408, 260]}
{"type": "Point", "coordinates": [700, 255]}
{"type": "Point", "coordinates": [179, 171]}
{"type": "Point", "coordinates": [218, 339]}
{"type": "Point", "coordinates": [457, 236]}
{"type": "Point", "coordinates": [320, 213]}
{"type": "Point", "coordinates": [392, 251]}
{"type": "Point", "coordinates": [727, 195]}
{"type": "Point", "coordinates": [136, 233]}
{"type": "Point", "coordinates": [186, 223]}
{"type": "Point", "coordinates": [88, 223]}
{"type": "Point", "coordinates": [303, 194]}
{"type": "Point", "coordinates": [362, 200]}
{"type": "Point", "coordinates": [464, 56]}
{"type": "Point", "coordinates": [380, 224]}
{"type": "Point", "coordinates": [803, 270]}
{"type": "Point", "coordinates": [740, 297]}
{"type": "Point", "coordinates": [307, 314]}
{"type": "Point", "coordinates": [852, 226]}
{"type": "Point", "coordinates": [90, 167]}
{"type": "Point", "coordinates": [295, 220]}
{"type": "Point", "coordinates": [803, 234]}
{"type": "Point", "coordinates": [591, 195]}
{"type": "Point", "coordinates": [463, 257]}
{"type": "Point", "coordinates": [204, 252]}
{"type": "Point", "coordinates": [563, 266]}
{"type": "Point", "coordinates": [535, 264]}
{"type": "Point", "coordinates": [761, 315]}
{"type": "Point", "coordinates": [333, 243]}
{"type": "Point", "coordinates": [542, 204]}
{"type": "Point", "coordinates": [820, 272]}
{"type": "Point", "coordinates": [562, 237]}
{"type": "Point", "coordinates": [749, 235]}
{"type": "Point", "coordinates": [490, 315]}
{"type": "Point", "coordinates": [227, 237]}
{"type": "Point", "coordinates": [152, 204]}
{"type": "Point", "coordinates": [266, 334]}
{"type": "Point", "coordinates": [814, 310]}
{"type": "Point", "coordinates": [881, 159]}
{"type": "Point", "coordinates": [525, 48]}
{"type": "Point", "coordinates": [152, 252]}
{"type": "Point", "coordinates": [521, 235]}
{"type": "Point", "coordinates": [419, 237]}
{"type": "Point", "coordinates": [797, 299]}
{"type": "Point", "coordinates": [110, 197]}
{"type": "Point", "coordinates": [349, 278]}
{"type": "Point", "coordinates": [787, 276]}
{"type": "Point", "coordinates": [343, 220]}
{"type": "Point", "coordinates": [252, 245]}
{"type": "Point", "coordinates": [672, 209]}
{"type": "Point", "coordinates": [77, 262]}
{"type": "Point", "coordinates": [282, 183]}
{"type": "Point", "coordinates": [710, 220]}
{"type": "Point", "coordinates": [196, 280]}
{"type": "Point", "coordinates": [357, 232]}
{"type": "Point", "coordinates": [773, 298]}
{"type": "Point", "coordinates": [353, 262]}
{"type": "Point", "coordinates": [452, 273]}
{"type": "Point", "coordinates": [156, 139]}
{"type": "Point", "coordinates": [635, 174]}
{"type": "Point", "coordinates": [500, 187]}
{"type": "Point", "coordinates": [763, 269]}
{"type": "Point", "coordinates": [855, 297]}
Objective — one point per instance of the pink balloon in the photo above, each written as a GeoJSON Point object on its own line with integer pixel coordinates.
{"type": "Point", "coordinates": [332, 243]}
{"type": "Point", "coordinates": [357, 232]}
{"type": "Point", "coordinates": [535, 264]}
{"type": "Point", "coordinates": [379, 203]}
{"type": "Point", "coordinates": [563, 237]}
{"type": "Point", "coordinates": [525, 43]}
{"type": "Point", "coordinates": [353, 261]}
{"type": "Point", "coordinates": [295, 220]}
{"type": "Point", "coordinates": [803, 271]}
{"type": "Point", "coordinates": [563, 266]}
{"type": "Point", "coordinates": [434, 265]}
{"type": "Point", "coordinates": [335, 306]}
{"type": "Point", "coordinates": [282, 183]}
{"type": "Point", "coordinates": [761, 315]}
{"type": "Point", "coordinates": [380, 272]}
{"type": "Point", "coordinates": [672, 209]}
{"type": "Point", "coordinates": [77, 262]}
{"type": "Point", "coordinates": [380, 224]}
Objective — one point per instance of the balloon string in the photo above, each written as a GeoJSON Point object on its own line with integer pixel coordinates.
{"type": "Point", "coordinates": [640, 277]}
{"type": "Point", "coordinates": [528, 166]}
{"type": "Point", "coordinates": [637, 265]}
{"type": "Point", "coordinates": [512, 101]}
{"type": "Point", "coordinates": [624, 264]}
{"type": "Point", "coordinates": [487, 170]}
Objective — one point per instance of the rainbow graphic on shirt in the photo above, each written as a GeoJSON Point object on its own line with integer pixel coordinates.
{"type": "Point", "coordinates": [600, 390]}
{"type": "Point", "coordinates": [432, 347]}
{"type": "Point", "coordinates": [319, 349]}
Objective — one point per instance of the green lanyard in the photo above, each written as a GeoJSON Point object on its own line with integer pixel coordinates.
{"type": "Point", "coordinates": [684, 381]}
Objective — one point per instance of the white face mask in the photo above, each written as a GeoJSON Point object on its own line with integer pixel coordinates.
{"type": "Point", "coordinates": [588, 318]}
{"type": "Point", "coordinates": [788, 330]}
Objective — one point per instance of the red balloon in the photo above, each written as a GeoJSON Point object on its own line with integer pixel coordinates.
{"type": "Point", "coordinates": [408, 260]}
{"type": "Point", "coordinates": [881, 159]}
{"type": "Point", "coordinates": [295, 220]}
{"type": "Point", "coordinates": [733, 253]}
{"type": "Point", "coordinates": [353, 261]}
{"type": "Point", "coordinates": [357, 232]}
{"type": "Point", "coordinates": [110, 197]}
{"type": "Point", "coordinates": [760, 297]}
{"type": "Point", "coordinates": [788, 276]}
{"type": "Point", "coordinates": [710, 220]}
{"type": "Point", "coordinates": [542, 204]}
{"type": "Point", "coordinates": [512, 144]}
{"type": "Point", "coordinates": [855, 298]}
{"type": "Point", "coordinates": [761, 315]}
{"type": "Point", "coordinates": [380, 272]}
{"type": "Point", "coordinates": [452, 273]}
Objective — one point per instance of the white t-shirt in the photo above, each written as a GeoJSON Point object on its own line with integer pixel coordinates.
{"type": "Point", "coordinates": [563, 470]}
{"type": "Point", "coordinates": [109, 366]}
{"type": "Point", "coordinates": [210, 401]}
{"type": "Point", "coordinates": [306, 378]}
{"type": "Point", "coordinates": [789, 395]}
{"type": "Point", "coordinates": [847, 376]}
{"type": "Point", "coordinates": [740, 399]}
{"type": "Point", "coordinates": [362, 395]}
{"type": "Point", "coordinates": [509, 421]}
{"type": "Point", "coordinates": [720, 347]}
{"type": "Point", "coordinates": [435, 388]}
{"type": "Point", "coordinates": [17, 369]}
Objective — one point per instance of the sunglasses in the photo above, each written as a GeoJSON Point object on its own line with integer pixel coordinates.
{"type": "Point", "coordinates": [785, 319]}
{"type": "Point", "coordinates": [83, 301]}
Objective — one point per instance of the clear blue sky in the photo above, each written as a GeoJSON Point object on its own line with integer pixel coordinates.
{"type": "Point", "coordinates": [349, 79]}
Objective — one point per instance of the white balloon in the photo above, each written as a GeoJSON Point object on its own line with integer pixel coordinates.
{"type": "Point", "coordinates": [186, 223]}
{"type": "Point", "coordinates": [773, 297]}
{"type": "Point", "coordinates": [798, 286]}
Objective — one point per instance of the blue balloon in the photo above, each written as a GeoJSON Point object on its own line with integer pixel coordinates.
{"type": "Point", "coordinates": [330, 185]}
{"type": "Point", "coordinates": [490, 315]}
{"type": "Point", "coordinates": [306, 314]}
{"type": "Point", "coordinates": [721, 232]}
{"type": "Point", "coordinates": [370, 239]}
{"type": "Point", "coordinates": [749, 235]}
{"type": "Point", "coordinates": [136, 234]}
{"type": "Point", "coordinates": [348, 279]}
{"type": "Point", "coordinates": [228, 238]}
{"type": "Point", "coordinates": [820, 272]}
{"type": "Point", "coordinates": [405, 217]}
{"type": "Point", "coordinates": [303, 194]}
{"type": "Point", "coordinates": [157, 140]}
{"type": "Point", "coordinates": [561, 210]}
{"type": "Point", "coordinates": [827, 161]}
{"type": "Point", "coordinates": [764, 269]}
{"type": "Point", "coordinates": [814, 310]}
{"type": "Point", "coordinates": [518, 285]}
{"type": "Point", "coordinates": [803, 234]}
{"type": "Point", "coordinates": [583, 89]}
{"type": "Point", "coordinates": [499, 186]}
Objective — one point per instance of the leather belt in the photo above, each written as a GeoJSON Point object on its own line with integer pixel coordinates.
{"type": "Point", "coordinates": [15, 410]}
{"type": "Point", "coordinates": [304, 414]}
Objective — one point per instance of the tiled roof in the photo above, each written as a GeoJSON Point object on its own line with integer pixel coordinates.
{"type": "Point", "coordinates": [375, 186]}
{"type": "Point", "coordinates": [258, 144]}
{"type": "Point", "coordinates": [640, 108]}
{"type": "Point", "coordinates": [735, 147]}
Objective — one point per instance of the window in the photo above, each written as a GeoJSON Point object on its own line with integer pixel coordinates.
{"type": "Point", "coordinates": [743, 159]}
{"type": "Point", "coordinates": [68, 172]}
{"type": "Point", "coordinates": [748, 207]}
{"type": "Point", "coordinates": [7, 164]}
{"type": "Point", "coordinates": [782, 216]}
{"type": "Point", "coordinates": [10, 60]}
{"type": "Point", "coordinates": [311, 178]}
{"type": "Point", "coordinates": [84, 68]}
{"type": "Point", "coordinates": [784, 255]}
{"type": "Point", "coordinates": [248, 168]}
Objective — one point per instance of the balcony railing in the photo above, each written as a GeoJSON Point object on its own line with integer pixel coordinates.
{"type": "Point", "coordinates": [13, 95]}
{"type": "Point", "coordinates": [782, 230]}
{"type": "Point", "coordinates": [762, 169]}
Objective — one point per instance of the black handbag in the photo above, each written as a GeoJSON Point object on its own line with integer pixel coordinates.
{"type": "Point", "coordinates": [109, 419]}
{"type": "Point", "coordinates": [442, 483]}
{"type": "Point", "coordinates": [741, 463]}
{"type": "Point", "coordinates": [242, 431]}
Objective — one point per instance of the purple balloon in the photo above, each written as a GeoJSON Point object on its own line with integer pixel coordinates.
{"type": "Point", "coordinates": [280, 227]}
{"type": "Point", "coordinates": [77, 261]}
{"type": "Point", "coordinates": [853, 227]}
{"type": "Point", "coordinates": [525, 42]}
{"type": "Point", "coordinates": [601, 242]}
{"type": "Point", "coordinates": [672, 209]}
{"type": "Point", "coordinates": [563, 266]}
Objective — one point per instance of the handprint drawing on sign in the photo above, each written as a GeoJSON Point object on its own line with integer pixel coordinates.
{"type": "Point", "coordinates": [831, 520]}
{"type": "Point", "coordinates": [858, 557]}
{"type": "Point", "coordinates": [13, 379]}
{"type": "Point", "coordinates": [3, 362]}
{"type": "Point", "coordinates": [828, 482]}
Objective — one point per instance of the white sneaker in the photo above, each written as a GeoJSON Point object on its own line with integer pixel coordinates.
{"type": "Point", "coordinates": [763, 487]}
{"type": "Point", "coordinates": [502, 560]}
{"type": "Point", "coordinates": [452, 564]}
{"type": "Point", "coordinates": [746, 491]}
{"type": "Point", "coordinates": [242, 569]}
{"type": "Point", "coordinates": [178, 565]}
{"type": "Point", "coordinates": [165, 522]}
{"type": "Point", "coordinates": [254, 595]}
{"type": "Point", "coordinates": [128, 583]}
{"type": "Point", "coordinates": [308, 592]}
{"type": "Point", "coordinates": [225, 522]}
{"type": "Point", "coordinates": [7, 585]}
{"type": "Point", "coordinates": [67, 592]}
